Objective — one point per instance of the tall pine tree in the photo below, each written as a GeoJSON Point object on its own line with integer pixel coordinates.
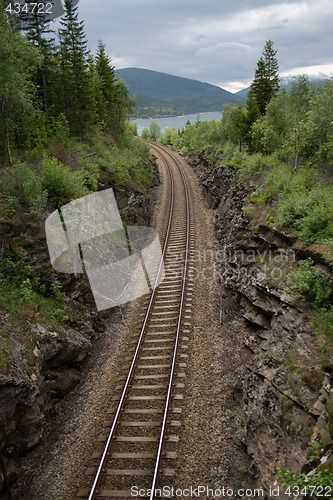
{"type": "Point", "coordinates": [272, 65]}
{"type": "Point", "coordinates": [37, 24]}
{"type": "Point", "coordinates": [266, 79]}
{"type": "Point", "coordinates": [74, 54]}
{"type": "Point", "coordinates": [115, 102]}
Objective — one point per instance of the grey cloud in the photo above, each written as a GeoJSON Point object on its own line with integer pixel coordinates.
{"type": "Point", "coordinates": [211, 40]}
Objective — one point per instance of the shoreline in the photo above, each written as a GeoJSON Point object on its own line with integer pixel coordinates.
{"type": "Point", "coordinates": [172, 116]}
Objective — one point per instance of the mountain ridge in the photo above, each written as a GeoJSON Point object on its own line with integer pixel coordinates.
{"type": "Point", "coordinates": [162, 94]}
{"type": "Point", "coordinates": [285, 82]}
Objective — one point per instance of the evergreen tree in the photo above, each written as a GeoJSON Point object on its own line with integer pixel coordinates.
{"type": "Point", "coordinates": [106, 104]}
{"type": "Point", "coordinates": [272, 65]}
{"type": "Point", "coordinates": [115, 101]}
{"type": "Point", "coordinates": [74, 54]}
{"type": "Point", "coordinates": [123, 107]}
{"type": "Point", "coordinates": [37, 24]}
{"type": "Point", "coordinates": [266, 80]}
{"type": "Point", "coordinates": [261, 86]}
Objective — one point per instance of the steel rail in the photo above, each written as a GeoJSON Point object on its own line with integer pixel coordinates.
{"type": "Point", "coordinates": [98, 475]}
{"type": "Point", "coordinates": [168, 398]}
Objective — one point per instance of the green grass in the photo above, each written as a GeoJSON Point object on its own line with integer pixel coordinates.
{"type": "Point", "coordinates": [40, 181]}
{"type": "Point", "coordinates": [59, 173]}
{"type": "Point", "coordinates": [21, 308]}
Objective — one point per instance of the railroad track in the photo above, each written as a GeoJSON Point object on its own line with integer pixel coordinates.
{"type": "Point", "coordinates": [144, 417]}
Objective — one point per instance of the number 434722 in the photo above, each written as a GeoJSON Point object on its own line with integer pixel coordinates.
{"type": "Point", "coordinates": [310, 491]}
{"type": "Point", "coordinates": [29, 7]}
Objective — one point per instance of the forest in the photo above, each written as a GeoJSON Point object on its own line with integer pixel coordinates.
{"type": "Point", "coordinates": [64, 133]}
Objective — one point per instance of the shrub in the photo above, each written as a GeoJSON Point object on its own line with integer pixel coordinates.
{"type": "Point", "coordinates": [302, 484]}
{"type": "Point", "coordinates": [306, 280]}
{"type": "Point", "coordinates": [308, 210]}
{"type": "Point", "coordinates": [255, 164]}
{"type": "Point", "coordinates": [88, 175]}
{"type": "Point", "coordinates": [259, 197]}
{"type": "Point", "coordinates": [59, 181]}
{"type": "Point", "coordinates": [293, 208]}
{"type": "Point", "coordinates": [29, 186]}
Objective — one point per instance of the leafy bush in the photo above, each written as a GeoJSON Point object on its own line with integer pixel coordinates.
{"type": "Point", "coordinates": [298, 482]}
{"type": "Point", "coordinates": [255, 164]}
{"type": "Point", "coordinates": [59, 181]}
{"type": "Point", "coordinates": [309, 211]}
{"type": "Point", "coordinates": [306, 280]}
{"type": "Point", "coordinates": [264, 197]}
{"type": "Point", "coordinates": [29, 186]}
{"type": "Point", "coordinates": [88, 176]}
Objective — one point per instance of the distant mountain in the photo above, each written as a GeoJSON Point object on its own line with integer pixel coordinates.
{"type": "Point", "coordinates": [285, 82]}
{"type": "Point", "coordinates": [161, 94]}
{"type": "Point", "coordinates": [242, 94]}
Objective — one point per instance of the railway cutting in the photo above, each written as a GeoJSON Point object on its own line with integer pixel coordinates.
{"type": "Point", "coordinates": [145, 409]}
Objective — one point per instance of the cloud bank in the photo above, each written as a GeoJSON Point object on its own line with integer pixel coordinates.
{"type": "Point", "coordinates": [213, 41]}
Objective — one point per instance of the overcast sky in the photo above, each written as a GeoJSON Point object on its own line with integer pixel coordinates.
{"type": "Point", "coordinates": [214, 41]}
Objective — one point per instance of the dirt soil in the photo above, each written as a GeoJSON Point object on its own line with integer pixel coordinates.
{"type": "Point", "coordinates": [208, 452]}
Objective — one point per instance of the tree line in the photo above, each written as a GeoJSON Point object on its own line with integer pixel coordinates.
{"type": "Point", "coordinates": [295, 125]}
{"type": "Point", "coordinates": [51, 86]}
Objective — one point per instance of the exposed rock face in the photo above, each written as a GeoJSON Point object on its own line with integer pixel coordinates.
{"type": "Point", "coordinates": [26, 399]}
{"type": "Point", "coordinates": [284, 385]}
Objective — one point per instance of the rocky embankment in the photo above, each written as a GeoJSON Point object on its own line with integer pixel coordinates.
{"type": "Point", "coordinates": [45, 362]}
{"type": "Point", "coordinates": [283, 389]}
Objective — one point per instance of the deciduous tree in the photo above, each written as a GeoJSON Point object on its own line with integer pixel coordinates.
{"type": "Point", "coordinates": [299, 101]}
{"type": "Point", "coordinates": [18, 62]}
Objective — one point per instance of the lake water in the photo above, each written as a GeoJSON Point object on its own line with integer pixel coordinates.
{"type": "Point", "coordinates": [177, 122]}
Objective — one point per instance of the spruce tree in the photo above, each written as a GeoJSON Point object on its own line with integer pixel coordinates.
{"type": "Point", "coordinates": [106, 104]}
{"type": "Point", "coordinates": [115, 101]}
{"type": "Point", "coordinates": [74, 54]}
{"type": "Point", "coordinates": [266, 80]}
{"type": "Point", "coordinates": [37, 24]}
{"type": "Point", "coordinates": [272, 65]}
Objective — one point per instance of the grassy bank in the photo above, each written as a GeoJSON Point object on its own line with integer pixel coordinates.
{"type": "Point", "coordinates": [38, 182]}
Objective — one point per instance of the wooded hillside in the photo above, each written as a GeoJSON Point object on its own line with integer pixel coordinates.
{"type": "Point", "coordinates": [161, 94]}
